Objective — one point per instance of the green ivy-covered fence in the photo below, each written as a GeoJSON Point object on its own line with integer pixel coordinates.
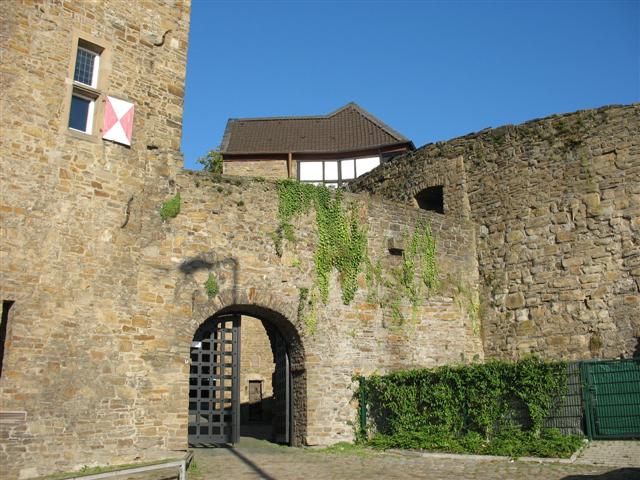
{"type": "Point", "coordinates": [493, 408]}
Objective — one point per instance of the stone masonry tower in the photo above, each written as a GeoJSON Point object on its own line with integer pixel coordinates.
{"type": "Point", "coordinates": [91, 117]}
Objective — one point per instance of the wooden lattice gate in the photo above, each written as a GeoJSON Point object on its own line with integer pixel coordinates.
{"type": "Point", "coordinates": [214, 396]}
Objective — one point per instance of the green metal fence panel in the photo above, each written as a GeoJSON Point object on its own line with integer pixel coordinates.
{"type": "Point", "coordinates": [612, 398]}
{"type": "Point", "coordinates": [362, 400]}
{"type": "Point", "coordinates": [567, 415]}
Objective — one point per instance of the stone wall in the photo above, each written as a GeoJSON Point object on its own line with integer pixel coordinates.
{"type": "Point", "coordinates": [271, 169]}
{"type": "Point", "coordinates": [236, 220]}
{"type": "Point", "coordinates": [65, 203]}
{"type": "Point", "coordinates": [107, 297]}
{"type": "Point", "coordinates": [556, 203]}
{"type": "Point", "coordinates": [98, 356]}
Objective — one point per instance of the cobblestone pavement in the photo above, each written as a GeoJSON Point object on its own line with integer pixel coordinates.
{"type": "Point", "coordinates": [256, 459]}
{"type": "Point", "coordinates": [619, 453]}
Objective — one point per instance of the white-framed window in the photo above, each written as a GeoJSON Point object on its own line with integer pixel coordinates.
{"type": "Point", "coordinates": [335, 173]}
{"type": "Point", "coordinates": [85, 93]}
{"type": "Point", "coordinates": [81, 113]}
{"type": "Point", "coordinates": [87, 67]}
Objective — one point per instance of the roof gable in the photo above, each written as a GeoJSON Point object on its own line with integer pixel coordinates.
{"type": "Point", "coordinates": [349, 128]}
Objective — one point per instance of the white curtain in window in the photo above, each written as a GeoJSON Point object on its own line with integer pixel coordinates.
{"type": "Point", "coordinates": [348, 170]}
{"type": "Point", "coordinates": [310, 171]}
{"type": "Point", "coordinates": [331, 170]}
{"type": "Point", "coordinates": [364, 165]}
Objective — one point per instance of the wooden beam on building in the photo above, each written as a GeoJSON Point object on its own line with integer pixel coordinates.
{"type": "Point", "coordinates": [290, 165]}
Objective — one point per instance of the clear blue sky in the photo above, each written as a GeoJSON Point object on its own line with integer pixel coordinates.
{"type": "Point", "coordinates": [431, 70]}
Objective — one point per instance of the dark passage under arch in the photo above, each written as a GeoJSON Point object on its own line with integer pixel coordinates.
{"type": "Point", "coordinates": [214, 378]}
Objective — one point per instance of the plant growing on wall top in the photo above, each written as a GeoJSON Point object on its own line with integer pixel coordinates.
{"type": "Point", "coordinates": [211, 162]}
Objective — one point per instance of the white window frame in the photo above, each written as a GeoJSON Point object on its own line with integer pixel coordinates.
{"type": "Point", "coordinates": [96, 66]}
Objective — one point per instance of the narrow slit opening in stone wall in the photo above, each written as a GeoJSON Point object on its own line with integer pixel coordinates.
{"type": "Point", "coordinates": [6, 306]}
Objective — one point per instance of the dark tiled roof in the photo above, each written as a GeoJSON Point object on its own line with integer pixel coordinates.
{"type": "Point", "coordinates": [349, 128]}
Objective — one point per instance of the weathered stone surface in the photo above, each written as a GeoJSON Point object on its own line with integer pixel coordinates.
{"type": "Point", "coordinates": [556, 202]}
{"type": "Point", "coordinates": [78, 356]}
{"type": "Point", "coordinates": [515, 301]}
{"type": "Point", "coordinates": [108, 297]}
{"type": "Point", "coordinates": [143, 310]}
{"type": "Point", "coordinates": [260, 168]}
{"type": "Point", "coordinates": [257, 358]}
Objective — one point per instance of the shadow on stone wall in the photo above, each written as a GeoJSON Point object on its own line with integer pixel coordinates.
{"type": "Point", "coordinates": [208, 261]}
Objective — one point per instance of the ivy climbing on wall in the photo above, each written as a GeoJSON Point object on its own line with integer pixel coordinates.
{"type": "Point", "coordinates": [420, 255]}
{"type": "Point", "coordinates": [342, 240]}
{"type": "Point", "coordinates": [307, 311]}
{"type": "Point", "coordinates": [342, 246]}
{"type": "Point", "coordinates": [414, 279]}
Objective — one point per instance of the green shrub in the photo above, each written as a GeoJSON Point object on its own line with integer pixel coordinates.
{"type": "Point", "coordinates": [512, 443]}
{"type": "Point", "coordinates": [212, 162]}
{"type": "Point", "coordinates": [170, 208]}
{"type": "Point", "coordinates": [211, 286]}
{"type": "Point", "coordinates": [495, 408]}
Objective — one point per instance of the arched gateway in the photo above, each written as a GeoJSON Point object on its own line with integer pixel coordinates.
{"type": "Point", "coordinates": [214, 377]}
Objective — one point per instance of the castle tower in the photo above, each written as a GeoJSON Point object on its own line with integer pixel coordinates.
{"type": "Point", "coordinates": [91, 116]}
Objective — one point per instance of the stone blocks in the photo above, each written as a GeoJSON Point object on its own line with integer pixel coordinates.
{"type": "Point", "coordinates": [555, 202]}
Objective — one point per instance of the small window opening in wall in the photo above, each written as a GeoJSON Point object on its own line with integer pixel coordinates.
{"type": "Point", "coordinates": [87, 66]}
{"type": "Point", "coordinates": [255, 400]}
{"type": "Point", "coordinates": [6, 306]}
{"type": "Point", "coordinates": [431, 198]}
{"type": "Point", "coordinates": [85, 87]}
{"type": "Point", "coordinates": [81, 113]}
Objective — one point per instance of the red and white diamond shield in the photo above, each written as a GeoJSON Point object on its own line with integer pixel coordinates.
{"type": "Point", "coordinates": [118, 121]}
